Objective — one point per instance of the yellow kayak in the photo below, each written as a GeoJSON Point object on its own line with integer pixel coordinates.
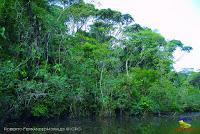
{"type": "Point", "coordinates": [184, 124]}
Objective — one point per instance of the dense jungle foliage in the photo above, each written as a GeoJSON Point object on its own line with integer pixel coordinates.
{"type": "Point", "coordinates": [68, 58]}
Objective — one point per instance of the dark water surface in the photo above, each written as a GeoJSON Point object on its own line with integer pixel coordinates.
{"type": "Point", "coordinates": [130, 125]}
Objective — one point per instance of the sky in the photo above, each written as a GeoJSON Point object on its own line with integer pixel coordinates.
{"type": "Point", "coordinates": [174, 19]}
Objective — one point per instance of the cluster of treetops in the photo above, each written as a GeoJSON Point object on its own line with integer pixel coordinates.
{"type": "Point", "coordinates": [68, 58]}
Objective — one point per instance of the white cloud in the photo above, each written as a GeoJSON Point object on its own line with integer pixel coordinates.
{"type": "Point", "coordinates": [175, 19]}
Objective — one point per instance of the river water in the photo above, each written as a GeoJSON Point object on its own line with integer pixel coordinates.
{"type": "Point", "coordinates": [123, 125]}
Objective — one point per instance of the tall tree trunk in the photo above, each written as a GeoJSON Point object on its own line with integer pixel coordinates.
{"type": "Point", "coordinates": [127, 68]}
{"type": "Point", "coordinates": [100, 82]}
{"type": "Point", "coordinates": [33, 22]}
{"type": "Point", "coordinates": [47, 47]}
{"type": "Point", "coordinates": [34, 35]}
{"type": "Point", "coordinates": [59, 54]}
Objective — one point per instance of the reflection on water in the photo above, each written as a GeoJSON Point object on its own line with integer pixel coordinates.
{"type": "Point", "coordinates": [147, 125]}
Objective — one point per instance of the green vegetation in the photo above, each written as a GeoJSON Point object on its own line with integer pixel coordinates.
{"type": "Point", "coordinates": [77, 60]}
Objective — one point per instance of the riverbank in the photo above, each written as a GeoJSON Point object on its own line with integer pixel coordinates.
{"type": "Point", "coordinates": [126, 125]}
